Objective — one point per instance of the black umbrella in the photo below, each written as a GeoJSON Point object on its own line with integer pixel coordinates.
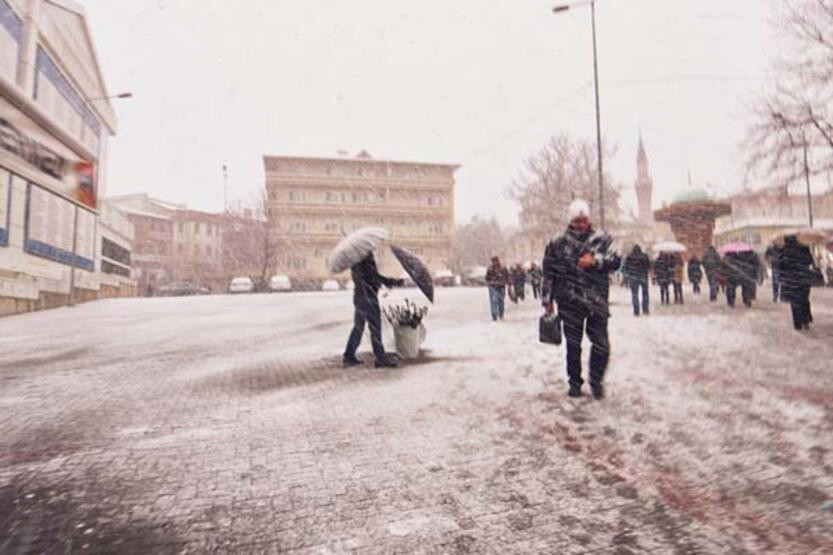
{"type": "Point", "coordinates": [417, 270]}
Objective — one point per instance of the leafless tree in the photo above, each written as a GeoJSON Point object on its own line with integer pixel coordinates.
{"type": "Point", "coordinates": [564, 170]}
{"type": "Point", "coordinates": [475, 243]}
{"type": "Point", "coordinates": [249, 247]}
{"type": "Point", "coordinates": [796, 113]}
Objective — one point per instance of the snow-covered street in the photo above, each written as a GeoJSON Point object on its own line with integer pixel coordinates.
{"type": "Point", "coordinates": [227, 423]}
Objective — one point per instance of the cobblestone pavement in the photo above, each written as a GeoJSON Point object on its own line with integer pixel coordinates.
{"type": "Point", "coordinates": [225, 424]}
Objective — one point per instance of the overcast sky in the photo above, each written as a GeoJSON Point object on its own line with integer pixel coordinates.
{"type": "Point", "coordinates": [482, 84]}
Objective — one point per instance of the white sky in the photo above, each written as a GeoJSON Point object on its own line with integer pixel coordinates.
{"type": "Point", "coordinates": [478, 83]}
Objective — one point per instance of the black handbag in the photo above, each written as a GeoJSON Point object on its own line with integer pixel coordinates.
{"type": "Point", "coordinates": [549, 329]}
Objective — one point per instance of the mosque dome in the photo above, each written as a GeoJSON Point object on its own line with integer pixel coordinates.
{"type": "Point", "coordinates": [691, 194]}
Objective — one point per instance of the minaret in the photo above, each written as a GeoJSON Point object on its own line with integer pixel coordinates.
{"type": "Point", "coordinates": [644, 186]}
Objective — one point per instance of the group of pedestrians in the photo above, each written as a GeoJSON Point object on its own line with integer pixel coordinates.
{"type": "Point", "coordinates": [511, 282]}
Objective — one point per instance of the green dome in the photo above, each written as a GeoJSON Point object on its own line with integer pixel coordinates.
{"type": "Point", "coordinates": [691, 194]}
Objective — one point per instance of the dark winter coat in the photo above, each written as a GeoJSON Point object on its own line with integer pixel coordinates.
{"type": "Point", "coordinates": [637, 265]}
{"type": "Point", "coordinates": [497, 276]}
{"type": "Point", "coordinates": [796, 266]}
{"type": "Point", "coordinates": [695, 272]}
{"type": "Point", "coordinates": [535, 275]}
{"type": "Point", "coordinates": [741, 267]}
{"type": "Point", "coordinates": [772, 255]}
{"type": "Point", "coordinates": [711, 262]}
{"type": "Point", "coordinates": [518, 276]}
{"type": "Point", "coordinates": [367, 281]}
{"type": "Point", "coordinates": [573, 288]}
{"type": "Point", "coordinates": [662, 269]}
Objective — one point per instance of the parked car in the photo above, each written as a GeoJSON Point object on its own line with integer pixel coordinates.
{"type": "Point", "coordinates": [475, 276]}
{"type": "Point", "coordinates": [330, 285]}
{"type": "Point", "coordinates": [444, 278]}
{"type": "Point", "coordinates": [241, 285]}
{"type": "Point", "coordinates": [179, 289]}
{"type": "Point", "coordinates": [280, 282]}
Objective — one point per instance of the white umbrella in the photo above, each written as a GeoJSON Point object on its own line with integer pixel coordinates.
{"type": "Point", "coordinates": [353, 248]}
{"type": "Point", "coordinates": [669, 246]}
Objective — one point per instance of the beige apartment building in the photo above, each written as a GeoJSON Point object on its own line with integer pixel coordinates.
{"type": "Point", "coordinates": [314, 202]}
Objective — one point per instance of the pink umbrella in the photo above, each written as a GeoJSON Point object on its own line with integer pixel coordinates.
{"type": "Point", "coordinates": [736, 247]}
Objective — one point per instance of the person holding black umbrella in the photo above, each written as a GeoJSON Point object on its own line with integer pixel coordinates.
{"type": "Point", "coordinates": [367, 281]}
{"type": "Point", "coordinates": [796, 267]}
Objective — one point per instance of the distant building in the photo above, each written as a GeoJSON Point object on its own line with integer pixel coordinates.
{"type": "Point", "coordinates": [116, 235]}
{"type": "Point", "coordinates": [314, 202]}
{"type": "Point", "coordinates": [174, 243]}
{"type": "Point", "coordinates": [55, 121]}
{"type": "Point", "coordinates": [759, 216]}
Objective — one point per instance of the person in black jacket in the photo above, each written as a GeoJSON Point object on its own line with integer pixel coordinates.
{"type": "Point", "coordinates": [519, 281]}
{"type": "Point", "coordinates": [695, 274]}
{"type": "Point", "coordinates": [576, 277]}
{"type": "Point", "coordinates": [535, 278]}
{"type": "Point", "coordinates": [796, 264]}
{"type": "Point", "coordinates": [636, 268]}
{"type": "Point", "coordinates": [711, 264]}
{"type": "Point", "coordinates": [662, 274]}
{"type": "Point", "coordinates": [497, 279]}
{"type": "Point", "coordinates": [367, 282]}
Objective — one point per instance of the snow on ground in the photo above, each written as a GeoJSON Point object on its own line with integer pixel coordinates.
{"type": "Point", "coordinates": [226, 422]}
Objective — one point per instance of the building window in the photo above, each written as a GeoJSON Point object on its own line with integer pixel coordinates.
{"type": "Point", "coordinates": [298, 227]}
{"type": "Point", "coordinates": [332, 227]}
{"type": "Point", "coordinates": [297, 196]}
{"type": "Point", "coordinates": [331, 197]}
{"type": "Point", "coordinates": [295, 263]}
{"type": "Point", "coordinates": [196, 250]}
{"type": "Point", "coordinates": [208, 250]}
{"type": "Point", "coordinates": [435, 201]}
{"type": "Point", "coordinates": [181, 227]}
{"type": "Point", "coordinates": [181, 249]}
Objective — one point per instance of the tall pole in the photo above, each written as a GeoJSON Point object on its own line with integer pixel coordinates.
{"type": "Point", "coordinates": [807, 179]}
{"type": "Point", "coordinates": [225, 188]}
{"type": "Point", "coordinates": [598, 118]}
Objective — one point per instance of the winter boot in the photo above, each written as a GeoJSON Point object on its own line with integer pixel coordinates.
{"type": "Point", "coordinates": [348, 362]}
{"type": "Point", "coordinates": [574, 391]}
{"type": "Point", "coordinates": [387, 362]}
{"type": "Point", "coordinates": [598, 391]}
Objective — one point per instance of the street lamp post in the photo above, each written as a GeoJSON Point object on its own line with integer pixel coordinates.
{"type": "Point", "coordinates": [564, 8]}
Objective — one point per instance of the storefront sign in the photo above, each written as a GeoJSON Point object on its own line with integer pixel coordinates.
{"type": "Point", "coordinates": [51, 231]}
{"type": "Point", "coordinates": [28, 142]}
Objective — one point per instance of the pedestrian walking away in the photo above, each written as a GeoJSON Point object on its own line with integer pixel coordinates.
{"type": "Point", "coordinates": [518, 276]}
{"type": "Point", "coordinates": [677, 277]}
{"type": "Point", "coordinates": [535, 279]}
{"type": "Point", "coordinates": [695, 274]}
{"type": "Point", "coordinates": [636, 268]}
{"type": "Point", "coordinates": [796, 266]}
{"type": "Point", "coordinates": [576, 271]}
{"type": "Point", "coordinates": [711, 265]}
{"type": "Point", "coordinates": [662, 275]}
{"type": "Point", "coordinates": [497, 279]}
{"type": "Point", "coordinates": [367, 282]}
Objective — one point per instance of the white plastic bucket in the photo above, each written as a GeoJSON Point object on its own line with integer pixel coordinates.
{"type": "Point", "coordinates": [408, 340]}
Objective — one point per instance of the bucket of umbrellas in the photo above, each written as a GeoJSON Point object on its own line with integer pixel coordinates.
{"type": "Point", "coordinates": [408, 329]}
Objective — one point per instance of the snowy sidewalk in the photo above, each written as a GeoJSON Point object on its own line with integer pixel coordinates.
{"type": "Point", "coordinates": [226, 423]}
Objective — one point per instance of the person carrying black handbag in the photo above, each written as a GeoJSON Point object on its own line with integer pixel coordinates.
{"type": "Point", "coordinates": [576, 269]}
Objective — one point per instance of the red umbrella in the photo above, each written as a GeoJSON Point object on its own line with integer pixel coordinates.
{"type": "Point", "coordinates": [736, 247]}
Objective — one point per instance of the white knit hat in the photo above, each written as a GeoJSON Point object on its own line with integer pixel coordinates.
{"type": "Point", "coordinates": [578, 207]}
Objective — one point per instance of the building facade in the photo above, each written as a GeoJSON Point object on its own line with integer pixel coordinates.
{"type": "Point", "coordinates": [314, 202]}
{"type": "Point", "coordinates": [758, 217]}
{"type": "Point", "coordinates": [174, 243]}
{"type": "Point", "coordinates": [54, 125]}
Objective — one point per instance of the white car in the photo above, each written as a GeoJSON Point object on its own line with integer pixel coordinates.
{"type": "Point", "coordinates": [444, 278]}
{"type": "Point", "coordinates": [330, 285]}
{"type": "Point", "coordinates": [280, 282]}
{"type": "Point", "coordinates": [241, 285]}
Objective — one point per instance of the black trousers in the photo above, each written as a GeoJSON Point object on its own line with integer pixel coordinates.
{"type": "Point", "coordinates": [575, 321]}
{"type": "Point", "coordinates": [712, 287]}
{"type": "Point", "coordinates": [536, 290]}
{"type": "Point", "coordinates": [695, 287]}
{"type": "Point", "coordinates": [800, 307]}
{"type": "Point", "coordinates": [678, 293]}
{"type": "Point", "coordinates": [664, 297]}
{"type": "Point", "coordinates": [366, 312]}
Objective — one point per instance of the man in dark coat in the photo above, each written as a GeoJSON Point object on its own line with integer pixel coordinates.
{"type": "Point", "coordinates": [576, 277]}
{"type": "Point", "coordinates": [711, 264]}
{"type": "Point", "coordinates": [695, 274]}
{"type": "Point", "coordinates": [773, 255]}
{"type": "Point", "coordinates": [662, 274]}
{"type": "Point", "coordinates": [535, 278]}
{"type": "Point", "coordinates": [519, 282]}
{"type": "Point", "coordinates": [796, 265]}
{"type": "Point", "coordinates": [741, 269]}
{"type": "Point", "coordinates": [367, 281]}
{"type": "Point", "coordinates": [497, 278]}
{"type": "Point", "coordinates": [636, 268]}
